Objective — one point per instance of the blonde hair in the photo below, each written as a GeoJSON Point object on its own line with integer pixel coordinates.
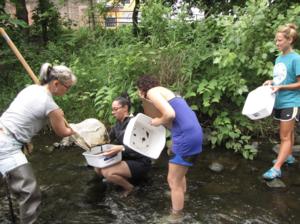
{"type": "Point", "coordinates": [58, 72]}
{"type": "Point", "coordinates": [289, 31]}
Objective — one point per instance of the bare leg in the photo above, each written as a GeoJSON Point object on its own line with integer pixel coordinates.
{"type": "Point", "coordinates": [286, 142]}
{"type": "Point", "coordinates": [184, 187]}
{"type": "Point", "coordinates": [118, 174]}
{"type": "Point", "coordinates": [177, 184]}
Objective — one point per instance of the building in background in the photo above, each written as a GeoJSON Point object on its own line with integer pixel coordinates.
{"type": "Point", "coordinates": [118, 14]}
{"type": "Point", "coordinates": [76, 12]}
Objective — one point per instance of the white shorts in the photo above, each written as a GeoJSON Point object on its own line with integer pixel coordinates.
{"type": "Point", "coordinates": [11, 155]}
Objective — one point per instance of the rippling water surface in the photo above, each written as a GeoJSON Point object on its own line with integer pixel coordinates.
{"type": "Point", "coordinates": [72, 193]}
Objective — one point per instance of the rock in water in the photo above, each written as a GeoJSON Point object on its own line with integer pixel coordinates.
{"type": "Point", "coordinates": [56, 144]}
{"type": "Point", "coordinates": [216, 167]}
{"type": "Point", "coordinates": [276, 183]}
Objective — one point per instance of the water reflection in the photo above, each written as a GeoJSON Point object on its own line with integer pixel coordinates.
{"type": "Point", "coordinates": [72, 193]}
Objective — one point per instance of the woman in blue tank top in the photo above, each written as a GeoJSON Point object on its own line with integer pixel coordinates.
{"type": "Point", "coordinates": [185, 130]}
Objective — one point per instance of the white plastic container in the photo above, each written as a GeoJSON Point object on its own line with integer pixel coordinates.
{"type": "Point", "coordinates": [259, 103]}
{"type": "Point", "coordinates": [95, 159]}
{"type": "Point", "coordinates": [143, 137]}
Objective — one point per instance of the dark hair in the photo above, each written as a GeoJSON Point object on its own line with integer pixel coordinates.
{"type": "Point", "coordinates": [124, 100]}
{"type": "Point", "coordinates": [146, 82]}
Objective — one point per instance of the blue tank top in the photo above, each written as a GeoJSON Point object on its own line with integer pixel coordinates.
{"type": "Point", "coordinates": [186, 130]}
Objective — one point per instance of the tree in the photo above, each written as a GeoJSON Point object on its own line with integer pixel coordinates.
{"type": "Point", "coordinates": [213, 7]}
{"type": "Point", "coordinates": [135, 28]}
{"type": "Point", "coordinates": [46, 20]}
{"type": "Point", "coordinates": [92, 14]}
{"type": "Point", "coordinates": [21, 10]}
{"type": "Point", "coordinates": [2, 5]}
{"type": "Point", "coordinates": [22, 14]}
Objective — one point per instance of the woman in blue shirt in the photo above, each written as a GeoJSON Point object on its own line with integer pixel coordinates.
{"type": "Point", "coordinates": [186, 135]}
{"type": "Point", "coordinates": [286, 84]}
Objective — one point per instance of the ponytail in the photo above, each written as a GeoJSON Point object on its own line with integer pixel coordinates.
{"type": "Point", "coordinates": [124, 100]}
{"type": "Point", "coordinates": [45, 71]}
{"type": "Point", "coordinates": [58, 72]}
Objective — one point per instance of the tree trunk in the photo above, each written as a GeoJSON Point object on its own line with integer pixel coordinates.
{"type": "Point", "coordinates": [135, 28]}
{"type": "Point", "coordinates": [2, 6]}
{"type": "Point", "coordinates": [43, 5]}
{"type": "Point", "coordinates": [92, 15]}
{"type": "Point", "coordinates": [21, 10]}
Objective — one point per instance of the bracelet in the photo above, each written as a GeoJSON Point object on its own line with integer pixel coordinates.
{"type": "Point", "coordinates": [123, 148]}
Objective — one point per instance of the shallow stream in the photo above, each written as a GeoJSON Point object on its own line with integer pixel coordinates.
{"type": "Point", "coordinates": [72, 193]}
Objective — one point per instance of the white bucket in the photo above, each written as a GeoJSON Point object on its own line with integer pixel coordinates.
{"type": "Point", "coordinates": [95, 159]}
{"type": "Point", "coordinates": [143, 137]}
{"type": "Point", "coordinates": [259, 103]}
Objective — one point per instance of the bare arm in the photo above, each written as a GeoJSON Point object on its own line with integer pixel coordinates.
{"type": "Point", "coordinates": [158, 100]}
{"type": "Point", "coordinates": [291, 86]}
{"type": "Point", "coordinates": [58, 124]}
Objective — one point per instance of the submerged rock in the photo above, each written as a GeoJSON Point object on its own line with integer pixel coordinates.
{"type": "Point", "coordinates": [56, 144]}
{"type": "Point", "coordinates": [216, 167]}
{"type": "Point", "coordinates": [49, 149]}
{"type": "Point", "coordinates": [276, 183]}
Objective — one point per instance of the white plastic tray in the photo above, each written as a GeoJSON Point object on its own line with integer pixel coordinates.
{"type": "Point", "coordinates": [144, 138]}
{"type": "Point", "coordinates": [95, 159]}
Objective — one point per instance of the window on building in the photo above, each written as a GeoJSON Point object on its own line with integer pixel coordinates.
{"type": "Point", "coordinates": [125, 2]}
{"type": "Point", "coordinates": [111, 22]}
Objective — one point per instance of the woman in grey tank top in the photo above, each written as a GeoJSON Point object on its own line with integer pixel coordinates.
{"type": "Point", "coordinates": [24, 118]}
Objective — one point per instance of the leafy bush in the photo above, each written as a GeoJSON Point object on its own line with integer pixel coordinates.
{"type": "Point", "coordinates": [213, 63]}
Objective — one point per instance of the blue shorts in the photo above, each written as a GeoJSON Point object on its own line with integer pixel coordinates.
{"type": "Point", "coordinates": [184, 161]}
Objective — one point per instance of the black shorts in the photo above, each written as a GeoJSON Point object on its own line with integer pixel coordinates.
{"type": "Point", "coordinates": [138, 168]}
{"type": "Point", "coordinates": [286, 114]}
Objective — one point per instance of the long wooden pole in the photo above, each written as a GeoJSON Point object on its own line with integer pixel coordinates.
{"type": "Point", "coordinates": [19, 56]}
{"type": "Point", "coordinates": [77, 137]}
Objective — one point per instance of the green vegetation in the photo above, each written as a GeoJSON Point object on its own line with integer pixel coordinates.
{"type": "Point", "coordinates": [213, 63]}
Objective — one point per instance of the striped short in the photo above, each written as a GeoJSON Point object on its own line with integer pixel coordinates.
{"type": "Point", "coordinates": [287, 114]}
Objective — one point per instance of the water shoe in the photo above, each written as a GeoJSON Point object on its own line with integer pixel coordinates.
{"type": "Point", "coordinates": [272, 174]}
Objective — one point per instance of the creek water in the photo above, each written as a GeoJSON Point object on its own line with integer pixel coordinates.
{"type": "Point", "coordinates": [72, 193]}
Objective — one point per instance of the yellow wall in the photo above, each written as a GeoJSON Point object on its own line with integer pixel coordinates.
{"type": "Point", "coordinates": [120, 15]}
